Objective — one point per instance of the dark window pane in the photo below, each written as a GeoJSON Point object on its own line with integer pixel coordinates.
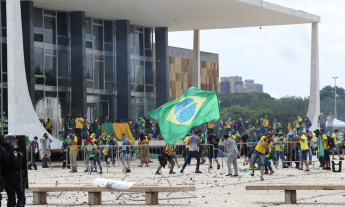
{"type": "Point", "coordinates": [89, 84]}
{"type": "Point", "coordinates": [131, 35]}
{"type": "Point", "coordinates": [65, 101]}
{"type": "Point", "coordinates": [4, 77]}
{"type": "Point", "coordinates": [50, 52]}
{"type": "Point", "coordinates": [140, 29]}
{"type": "Point", "coordinates": [108, 47]}
{"type": "Point", "coordinates": [40, 81]}
{"type": "Point", "coordinates": [63, 82]}
{"type": "Point", "coordinates": [109, 69]}
{"type": "Point", "coordinates": [88, 30]}
{"type": "Point", "coordinates": [98, 57]}
{"type": "Point", "coordinates": [4, 32]}
{"type": "Point", "coordinates": [98, 37]}
{"type": "Point", "coordinates": [38, 37]}
{"type": "Point", "coordinates": [49, 30]}
{"type": "Point", "coordinates": [109, 85]}
{"type": "Point", "coordinates": [38, 20]}
{"type": "Point", "coordinates": [108, 31]}
{"type": "Point", "coordinates": [103, 97]}
{"type": "Point", "coordinates": [38, 96]}
{"type": "Point", "coordinates": [139, 76]}
{"type": "Point", "coordinates": [148, 53]}
{"type": "Point", "coordinates": [149, 88]}
{"type": "Point", "coordinates": [63, 40]}
{"type": "Point", "coordinates": [148, 72]}
{"type": "Point", "coordinates": [63, 63]}
{"type": "Point", "coordinates": [48, 12]}
{"type": "Point", "coordinates": [89, 71]}
{"type": "Point", "coordinates": [4, 57]}
{"type": "Point", "coordinates": [3, 14]}
{"type": "Point", "coordinates": [148, 38]}
{"type": "Point", "coordinates": [51, 94]}
{"type": "Point", "coordinates": [88, 44]}
{"type": "Point", "coordinates": [62, 23]}
{"type": "Point", "coordinates": [97, 21]}
{"type": "Point", "coordinates": [99, 75]}
{"type": "Point", "coordinates": [50, 69]}
{"type": "Point", "coordinates": [38, 61]}
{"type": "Point", "coordinates": [139, 44]}
{"type": "Point", "coordinates": [131, 50]}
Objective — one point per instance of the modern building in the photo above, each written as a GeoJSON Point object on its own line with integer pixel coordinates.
{"type": "Point", "coordinates": [181, 71]}
{"type": "Point", "coordinates": [97, 57]}
{"type": "Point", "coordinates": [234, 84]}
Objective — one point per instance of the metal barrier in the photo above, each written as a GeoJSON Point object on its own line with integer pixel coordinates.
{"type": "Point", "coordinates": [138, 156]}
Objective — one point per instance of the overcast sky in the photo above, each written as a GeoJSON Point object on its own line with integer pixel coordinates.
{"type": "Point", "coordinates": [279, 56]}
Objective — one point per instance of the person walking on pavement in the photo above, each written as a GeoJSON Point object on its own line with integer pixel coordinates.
{"type": "Point", "coordinates": [73, 153]}
{"type": "Point", "coordinates": [232, 153]}
{"type": "Point", "coordinates": [194, 143]}
{"type": "Point", "coordinates": [32, 152]}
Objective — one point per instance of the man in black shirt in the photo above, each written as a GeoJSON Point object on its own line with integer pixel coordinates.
{"type": "Point", "coordinates": [243, 147]}
{"type": "Point", "coordinates": [4, 157]}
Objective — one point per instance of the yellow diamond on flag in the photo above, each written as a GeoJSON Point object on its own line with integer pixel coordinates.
{"type": "Point", "coordinates": [184, 112]}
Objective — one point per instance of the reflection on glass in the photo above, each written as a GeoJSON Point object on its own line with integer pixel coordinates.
{"type": "Point", "coordinates": [38, 61]}
{"type": "Point", "coordinates": [140, 110]}
{"type": "Point", "coordinates": [40, 81]}
{"type": "Point", "coordinates": [38, 20]}
{"type": "Point", "coordinates": [139, 44]}
{"type": "Point", "coordinates": [38, 96]}
{"type": "Point", "coordinates": [88, 30]}
{"type": "Point", "coordinates": [109, 85]}
{"type": "Point", "coordinates": [63, 82]}
{"type": "Point", "coordinates": [112, 107]}
{"type": "Point", "coordinates": [4, 57]}
{"type": "Point", "coordinates": [148, 72]}
{"type": "Point", "coordinates": [48, 12]}
{"type": "Point", "coordinates": [131, 35]}
{"type": "Point", "coordinates": [63, 63]}
{"type": "Point", "coordinates": [50, 52]}
{"type": "Point", "coordinates": [150, 103]}
{"type": "Point", "coordinates": [149, 88]}
{"type": "Point", "coordinates": [38, 37]}
{"type": "Point", "coordinates": [98, 37]}
{"type": "Point", "coordinates": [148, 38]}
{"type": "Point", "coordinates": [89, 71]}
{"type": "Point", "coordinates": [89, 44]}
{"type": "Point", "coordinates": [50, 70]}
{"type": "Point", "coordinates": [65, 100]}
{"type": "Point", "coordinates": [62, 23]}
{"type": "Point", "coordinates": [98, 72]}
{"type": "Point", "coordinates": [134, 118]}
{"type": "Point", "coordinates": [89, 84]}
{"type": "Point", "coordinates": [132, 65]}
{"type": "Point", "coordinates": [103, 109]}
{"type": "Point", "coordinates": [49, 30]}
{"type": "Point", "coordinates": [3, 14]}
{"type": "Point", "coordinates": [51, 94]}
{"type": "Point", "coordinates": [109, 69]}
{"type": "Point", "coordinates": [108, 31]}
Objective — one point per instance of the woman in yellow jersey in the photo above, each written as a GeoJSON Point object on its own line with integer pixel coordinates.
{"type": "Point", "coordinates": [261, 149]}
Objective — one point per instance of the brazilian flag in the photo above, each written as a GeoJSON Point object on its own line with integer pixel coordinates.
{"type": "Point", "coordinates": [177, 117]}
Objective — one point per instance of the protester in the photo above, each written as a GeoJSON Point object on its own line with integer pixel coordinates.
{"type": "Point", "coordinates": [321, 121]}
{"type": "Point", "coordinates": [166, 156]}
{"type": "Point", "coordinates": [243, 147]}
{"type": "Point", "coordinates": [326, 148]}
{"type": "Point", "coordinates": [330, 120]}
{"type": "Point", "coordinates": [141, 124]}
{"type": "Point", "coordinates": [343, 142]}
{"type": "Point", "coordinates": [32, 152]}
{"type": "Point", "coordinates": [193, 142]}
{"type": "Point", "coordinates": [310, 137]}
{"type": "Point", "coordinates": [49, 126]}
{"type": "Point", "coordinates": [112, 142]}
{"type": "Point", "coordinates": [252, 142]}
{"type": "Point", "coordinates": [174, 156]}
{"type": "Point", "coordinates": [260, 150]}
{"type": "Point", "coordinates": [202, 147]}
{"type": "Point", "coordinates": [280, 144]}
{"type": "Point", "coordinates": [142, 147]}
{"type": "Point", "coordinates": [67, 124]}
{"type": "Point", "coordinates": [305, 149]}
{"type": "Point", "coordinates": [307, 123]}
{"type": "Point", "coordinates": [232, 154]}
{"type": "Point", "coordinates": [336, 147]}
{"type": "Point", "coordinates": [210, 126]}
{"type": "Point", "coordinates": [262, 124]}
{"type": "Point", "coordinates": [89, 154]}
{"type": "Point", "coordinates": [186, 148]}
{"type": "Point", "coordinates": [73, 153]}
{"type": "Point", "coordinates": [289, 127]}
{"type": "Point", "coordinates": [46, 149]}
{"type": "Point", "coordinates": [212, 149]}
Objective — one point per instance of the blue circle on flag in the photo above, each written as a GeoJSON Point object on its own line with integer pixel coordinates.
{"type": "Point", "coordinates": [185, 110]}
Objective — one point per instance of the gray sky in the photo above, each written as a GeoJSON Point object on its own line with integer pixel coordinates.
{"type": "Point", "coordinates": [279, 56]}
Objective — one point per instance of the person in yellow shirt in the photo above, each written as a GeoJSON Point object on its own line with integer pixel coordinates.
{"type": "Point", "coordinates": [289, 128]}
{"type": "Point", "coordinates": [186, 149]}
{"type": "Point", "coordinates": [303, 140]}
{"type": "Point", "coordinates": [210, 126]}
{"type": "Point", "coordinates": [228, 126]}
{"type": "Point", "coordinates": [261, 150]}
{"type": "Point", "coordinates": [280, 145]}
{"type": "Point", "coordinates": [49, 126]}
{"type": "Point", "coordinates": [326, 147]}
{"type": "Point", "coordinates": [79, 121]}
{"type": "Point", "coordinates": [336, 148]}
{"type": "Point", "coordinates": [73, 153]}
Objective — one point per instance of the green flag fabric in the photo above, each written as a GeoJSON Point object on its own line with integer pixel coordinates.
{"type": "Point", "coordinates": [177, 117]}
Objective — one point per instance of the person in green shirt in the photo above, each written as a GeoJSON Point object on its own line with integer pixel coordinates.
{"type": "Point", "coordinates": [94, 127]}
{"type": "Point", "coordinates": [27, 151]}
{"type": "Point", "coordinates": [217, 130]}
{"type": "Point", "coordinates": [202, 147]}
{"type": "Point", "coordinates": [89, 154]}
{"type": "Point", "coordinates": [112, 142]}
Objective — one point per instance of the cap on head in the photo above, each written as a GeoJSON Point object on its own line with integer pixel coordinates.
{"type": "Point", "coordinates": [317, 130]}
{"type": "Point", "coordinates": [336, 130]}
{"type": "Point", "coordinates": [300, 131]}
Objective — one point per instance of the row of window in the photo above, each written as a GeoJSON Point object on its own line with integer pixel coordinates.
{"type": "Point", "coordinates": [178, 53]}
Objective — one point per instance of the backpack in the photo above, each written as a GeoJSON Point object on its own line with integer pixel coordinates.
{"type": "Point", "coordinates": [111, 141]}
{"type": "Point", "coordinates": [331, 143]}
{"type": "Point", "coordinates": [214, 139]}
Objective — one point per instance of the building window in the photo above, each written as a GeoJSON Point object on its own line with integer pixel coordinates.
{"type": "Point", "coordinates": [188, 54]}
{"type": "Point", "coordinates": [177, 53]}
{"type": "Point", "coordinates": [172, 52]}
{"type": "Point", "coordinates": [182, 53]}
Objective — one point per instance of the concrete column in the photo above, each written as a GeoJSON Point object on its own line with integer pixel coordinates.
{"type": "Point", "coordinates": [78, 63]}
{"type": "Point", "coordinates": [196, 60]}
{"type": "Point", "coordinates": [123, 75]}
{"type": "Point", "coordinates": [314, 98]}
{"type": "Point", "coordinates": [22, 118]}
{"type": "Point", "coordinates": [162, 66]}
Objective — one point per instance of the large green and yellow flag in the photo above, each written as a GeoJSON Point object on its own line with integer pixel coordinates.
{"type": "Point", "coordinates": [177, 117]}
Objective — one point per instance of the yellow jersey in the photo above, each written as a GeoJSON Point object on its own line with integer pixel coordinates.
{"type": "Point", "coordinates": [324, 138]}
{"type": "Point", "coordinates": [261, 148]}
{"type": "Point", "coordinates": [186, 142]}
{"type": "Point", "coordinates": [171, 149]}
{"type": "Point", "coordinates": [334, 136]}
{"type": "Point", "coordinates": [228, 125]}
{"type": "Point", "coordinates": [79, 123]}
{"type": "Point", "coordinates": [49, 125]}
{"type": "Point", "coordinates": [304, 145]}
{"type": "Point", "coordinates": [74, 146]}
{"type": "Point", "coordinates": [289, 127]}
{"type": "Point", "coordinates": [210, 125]}
{"type": "Point", "coordinates": [266, 123]}
{"type": "Point", "coordinates": [277, 139]}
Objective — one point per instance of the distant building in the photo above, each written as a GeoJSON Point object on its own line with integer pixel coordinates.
{"type": "Point", "coordinates": [234, 84]}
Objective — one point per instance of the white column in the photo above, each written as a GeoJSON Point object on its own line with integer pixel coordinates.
{"type": "Point", "coordinates": [314, 98]}
{"type": "Point", "coordinates": [196, 59]}
{"type": "Point", "coordinates": [22, 118]}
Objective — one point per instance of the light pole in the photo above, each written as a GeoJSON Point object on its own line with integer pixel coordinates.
{"type": "Point", "coordinates": [184, 80]}
{"type": "Point", "coordinates": [335, 96]}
